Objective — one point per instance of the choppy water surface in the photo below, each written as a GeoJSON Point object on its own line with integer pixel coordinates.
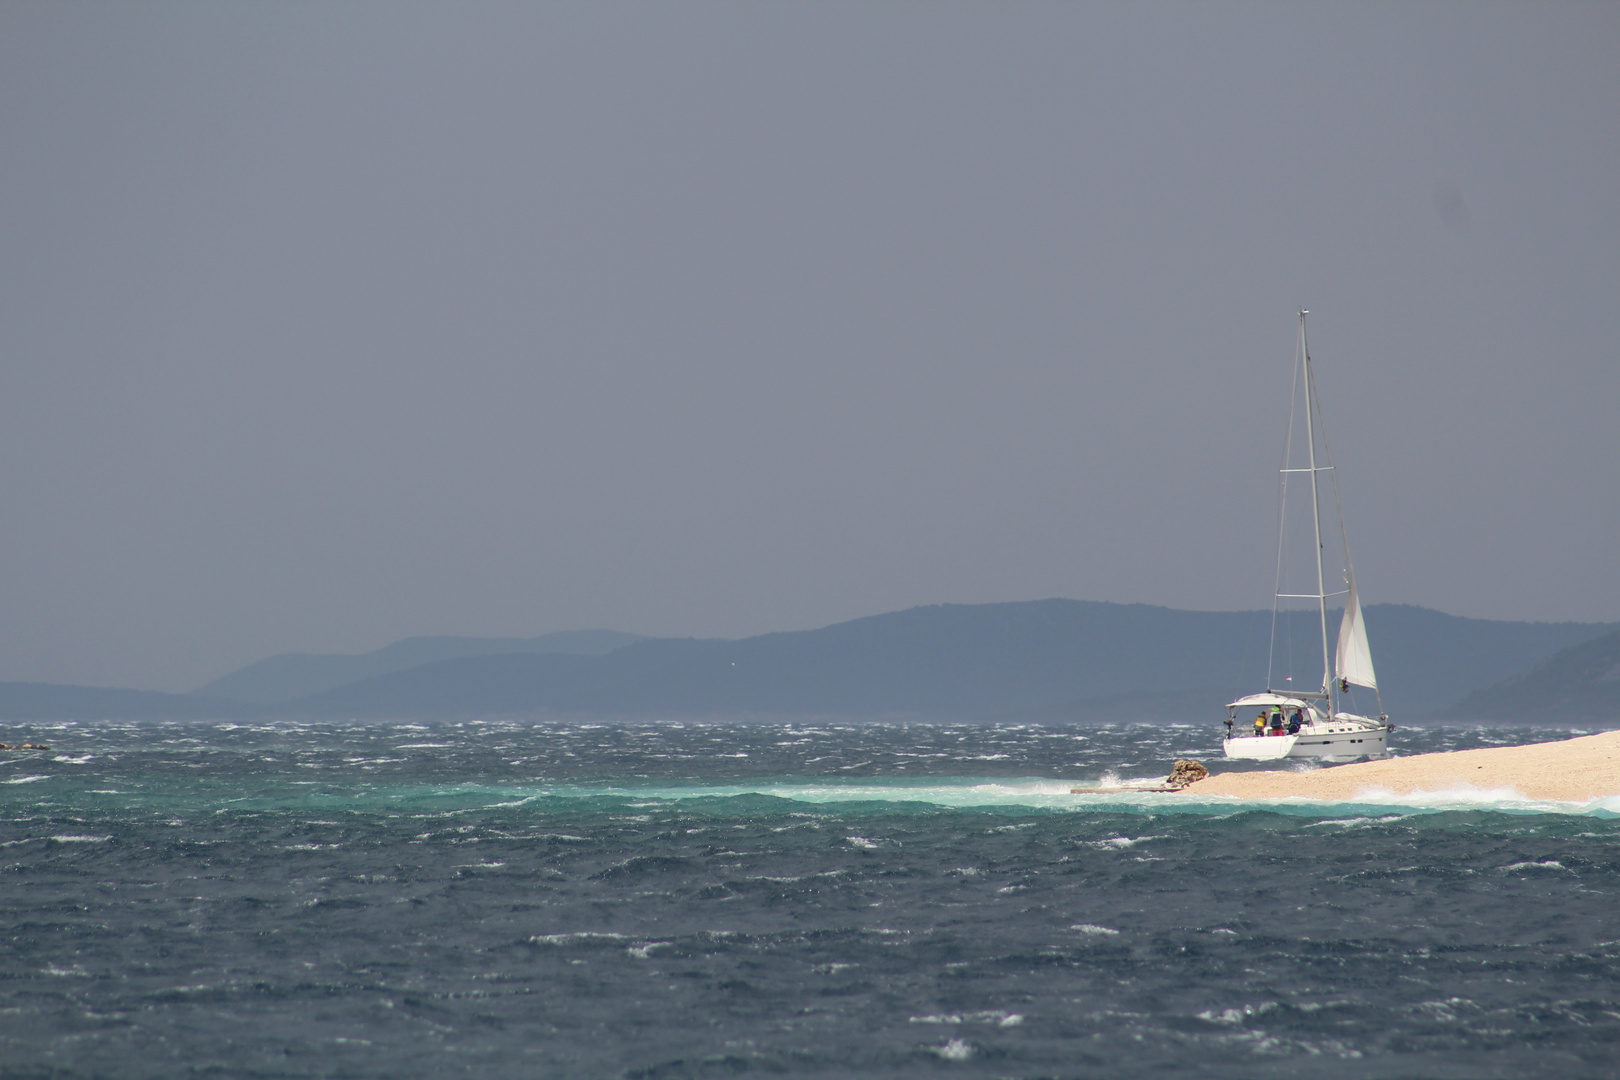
{"type": "Point", "coordinates": [697, 900]}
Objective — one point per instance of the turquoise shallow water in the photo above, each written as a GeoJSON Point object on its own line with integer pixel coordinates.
{"type": "Point", "coordinates": [572, 899]}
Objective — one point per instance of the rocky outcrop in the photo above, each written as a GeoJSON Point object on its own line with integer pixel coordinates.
{"type": "Point", "coordinates": [1185, 772]}
{"type": "Point", "coordinates": [1182, 774]}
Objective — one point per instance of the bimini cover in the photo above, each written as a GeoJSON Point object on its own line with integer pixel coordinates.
{"type": "Point", "coordinates": [1277, 701]}
{"type": "Point", "coordinates": [1354, 659]}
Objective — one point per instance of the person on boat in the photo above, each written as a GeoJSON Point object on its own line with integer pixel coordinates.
{"type": "Point", "coordinates": [1260, 724]}
{"type": "Point", "coordinates": [1277, 722]}
{"type": "Point", "coordinates": [1293, 722]}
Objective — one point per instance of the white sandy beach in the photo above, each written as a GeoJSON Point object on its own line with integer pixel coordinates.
{"type": "Point", "coordinates": [1570, 770]}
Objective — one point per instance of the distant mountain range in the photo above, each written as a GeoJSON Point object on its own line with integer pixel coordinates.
{"type": "Point", "coordinates": [52, 701]}
{"type": "Point", "coordinates": [1038, 660]}
{"type": "Point", "coordinates": [295, 675]}
{"type": "Point", "coordinates": [1577, 685]}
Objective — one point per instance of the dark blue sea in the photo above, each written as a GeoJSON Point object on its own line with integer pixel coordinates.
{"type": "Point", "coordinates": [520, 899]}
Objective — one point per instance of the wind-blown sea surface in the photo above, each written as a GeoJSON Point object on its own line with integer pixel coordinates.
{"type": "Point", "coordinates": [519, 899]}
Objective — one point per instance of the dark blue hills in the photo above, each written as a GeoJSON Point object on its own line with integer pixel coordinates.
{"type": "Point", "coordinates": [1049, 659]}
{"type": "Point", "coordinates": [1036, 660]}
{"type": "Point", "coordinates": [1577, 685]}
{"type": "Point", "coordinates": [291, 675]}
{"type": "Point", "coordinates": [951, 660]}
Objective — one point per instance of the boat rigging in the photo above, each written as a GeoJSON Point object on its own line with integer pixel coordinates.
{"type": "Point", "coordinates": [1292, 723]}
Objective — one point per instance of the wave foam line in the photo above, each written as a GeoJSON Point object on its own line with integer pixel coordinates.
{"type": "Point", "coordinates": [1033, 793]}
{"type": "Point", "coordinates": [1056, 794]}
{"type": "Point", "coordinates": [1456, 797]}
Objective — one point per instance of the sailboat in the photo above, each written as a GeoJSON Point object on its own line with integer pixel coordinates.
{"type": "Point", "coordinates": [1291, 723]}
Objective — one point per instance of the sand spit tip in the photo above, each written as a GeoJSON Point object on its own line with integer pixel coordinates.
{"type": "Point", "coordinates": [1567, 770]}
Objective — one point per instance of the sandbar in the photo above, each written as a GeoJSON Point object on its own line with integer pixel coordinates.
{"type": "Point", "coordinates": [1569, 770]}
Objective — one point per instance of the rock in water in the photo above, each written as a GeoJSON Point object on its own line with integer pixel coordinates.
{"type": "Point", "coordinates": [1185, 772]}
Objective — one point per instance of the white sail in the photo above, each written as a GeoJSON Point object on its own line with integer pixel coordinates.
{"type": "Point", "coordinates": [1304, 723]}
{"type": "Point", "coordinates": [1354, 659]}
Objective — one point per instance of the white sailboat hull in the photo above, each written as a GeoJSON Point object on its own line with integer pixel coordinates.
{"type": "Point", "coordinates": [1342, 738]}
{"type": "Point", "coordinates": [1309, 724]}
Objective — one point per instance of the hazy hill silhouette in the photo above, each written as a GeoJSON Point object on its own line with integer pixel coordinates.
{"type": "Point", "coordinates": [1040, 659]}
{"type": "Point", "coordinates": [293, 675]}
{"type": "Point", "coordinates": [53, 701]}
{"type": "Point", "coordinates": [1580, 685]}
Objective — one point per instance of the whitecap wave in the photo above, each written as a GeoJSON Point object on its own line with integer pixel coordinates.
{"type": "Point", "coordinates": [1013, 794]}
{"type": "Point", "coordinates": [1372, 802]}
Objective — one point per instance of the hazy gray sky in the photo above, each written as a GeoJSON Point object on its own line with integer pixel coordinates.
{"type": "Point", "coordinates": [326, 324]}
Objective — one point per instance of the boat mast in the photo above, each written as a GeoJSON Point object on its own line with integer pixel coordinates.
{"type": "Point", "coordinates": [1316, 509]}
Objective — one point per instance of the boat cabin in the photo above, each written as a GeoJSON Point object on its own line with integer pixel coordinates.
{"type": "Point", "coordinates": [1270, 714]}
